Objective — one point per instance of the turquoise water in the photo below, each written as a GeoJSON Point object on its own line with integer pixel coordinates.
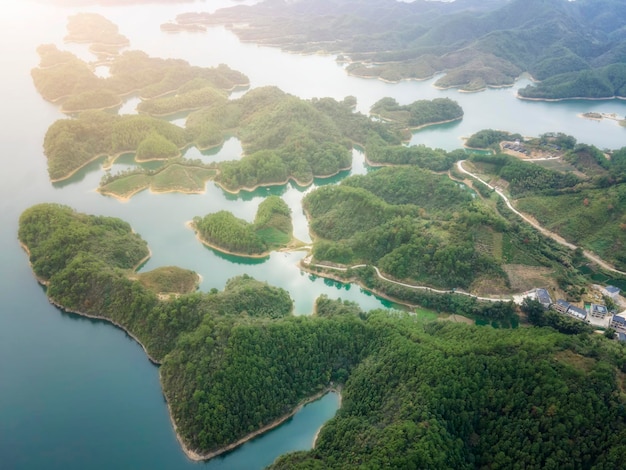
{"type": "Point", "coordinates": [77, 393]}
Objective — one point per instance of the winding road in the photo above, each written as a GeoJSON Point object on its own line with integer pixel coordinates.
{"type": "Point", "coordinates": [557, 238]}
{"type": "Point", "coordinates": [516, 298]}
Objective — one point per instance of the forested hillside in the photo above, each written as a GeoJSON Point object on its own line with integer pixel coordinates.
{"type": "Point", "coordinates": [419, 227]}
{"type": "Point", "coordinates": [271, 229]}
{"type": "Point", "coordinates": [577, 47]}
{"type": "Point", "coordinates": [415, 394]}
{"type": "Point", "coordinates": [586, 207]}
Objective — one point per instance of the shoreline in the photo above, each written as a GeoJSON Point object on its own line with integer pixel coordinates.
{"type": "Point", "coordinates": [293, 245]}
{"type": "Point", "coordinates": [289, 178]}
{"type": "Point", "coordinates": [189, 224]}
{"type": "Point", "coordinates": [197, 457]}
{"type": "Point", "coordinates": [127, 196]}
{"type": "Point", "coordinates": [88, 315]}
{"type": "Point", "coordinates": [607, 98]}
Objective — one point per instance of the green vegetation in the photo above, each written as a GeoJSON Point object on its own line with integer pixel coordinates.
{"type": "Point", "coordinates": [415, 393]}
{"type": "Point", "coordinates": [488, 138]}
{"type": "Point", "coordinates": [592, 218]}
{"type": "Point", "coordinates": [605, 82]}
{"type": "Point", "coordinates": [188, 100]}
{"type": "Point", "coordinates": [575, 48]}
{"type": "Point", "coordinates": [88, 262]}
{"type": "Point", "coordinates": [379, 152]}
{"type": "Point", "coordinates": [283, 137]}
{"type": "Point", "coordinates": [586, 209]}
{"type": "Point", "coordinates": [94, 28]}
{"type": "Point", "coordinates": [525, 177]}
{"type": "Point", "coordinates": [272, 229]}
{"type": "Point", "coordinates": [69, 144]}
{"type": "Point", "coordinates": [419, 113]}
{"type": "Point", "coordinates": [424, 229]}
{"type": "Point", "coordinates": [410, 223]}
{"type": "Point", "coordinates": [62, 76]}
{"type": "Point", "coordinates": [444, 395]}
{"type": "Point", "coordinates": [185, 176]}
{"type": "Point", "coordinates": [169, 280]}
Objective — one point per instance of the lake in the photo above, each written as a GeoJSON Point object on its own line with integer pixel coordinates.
{"type": "Point", "coordinates": [79, 393]}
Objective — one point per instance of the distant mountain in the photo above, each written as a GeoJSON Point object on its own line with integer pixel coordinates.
{"type": "Point", "coordinates": [573, 46]}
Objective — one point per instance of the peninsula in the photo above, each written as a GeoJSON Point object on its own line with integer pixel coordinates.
{"type": "Point", "coordinates": [271, 230]}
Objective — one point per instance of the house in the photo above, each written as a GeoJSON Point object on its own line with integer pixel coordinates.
{"type": "Point", "coordinates": [566, 308]}
{"type": "Point", "coordinates": [598, 311]}
{"type": "Point", "coordinates": [561, 306]}
{"type": "Point", "coordinates": [544, 298]}
{"type": "Point", "coordinates": [610, 291]}
{"type": "Point", "coordinates": [577, 312]}
{"type": "Point", "coordinates": [618, 322]}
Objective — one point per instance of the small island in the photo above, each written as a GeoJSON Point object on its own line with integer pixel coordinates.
{"type": "Point", "coordinates": [272, 229]}
{"type": "Point", "coordinates": [419, 114]}
{"type": "Point", "coordinates": [601, 116]}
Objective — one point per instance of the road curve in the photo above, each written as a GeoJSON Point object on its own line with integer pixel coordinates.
{"type": "Point", "coordinates": [546, 232]}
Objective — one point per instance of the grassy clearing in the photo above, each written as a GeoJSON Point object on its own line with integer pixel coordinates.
{"type": "Point", "coordinates": [426, 315]}
{"type": "Point", "coordinates": [169, 280]}
{"type": "Point", "coordinates": [126, 186]}
{"type": "Point", "coordinates": [273, 237]}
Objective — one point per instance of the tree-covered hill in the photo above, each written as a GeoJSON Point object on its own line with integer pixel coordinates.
{"type": "Point", "coordinates": [449, 396]}
{"type": "Point", "coordinates": [271, 229]}
{"type": "Point", "coordinates": [415, 394]}
{"type": "Point", "coordinates": [410, 223]}
{"type": "Point", "coordinates": [419, 113]}
{"type": "Point", "coordinates": [476, 43]}
{"type": "Point", "coordinates": [585, 207]}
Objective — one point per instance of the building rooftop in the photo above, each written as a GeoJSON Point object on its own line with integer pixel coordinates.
{"type": "Point", "coordinates": [543, 296]}
{"type": "Point", "coordinates": [619, 319]}
{"type": "Point", "coordinates": [577, 312]}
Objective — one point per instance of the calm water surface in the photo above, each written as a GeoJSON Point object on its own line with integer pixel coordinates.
{"type": "Point", "coordinates": [78, 393]}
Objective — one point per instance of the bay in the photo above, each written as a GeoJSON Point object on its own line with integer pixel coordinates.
{"type": "Point", "coordinates": [77, 393]}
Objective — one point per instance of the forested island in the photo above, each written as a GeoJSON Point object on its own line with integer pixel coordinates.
{"type": "Point", "coordinates": [475, 43]}
{"type": "Point", "coordinates": [421, 113]}
{"type": "Point", "coordinates": [415, 393]}
{"type": "Point", "coordinates": [272, 229]}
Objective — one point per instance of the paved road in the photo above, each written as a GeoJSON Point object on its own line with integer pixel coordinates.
{"type": "Point", "coordinates": [557, 238]}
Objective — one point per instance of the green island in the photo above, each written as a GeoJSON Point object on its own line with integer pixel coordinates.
{"type": "Point", "coordinates": [283, 138]}
{"type": "Point", "coordinates": [177, 175]}
{"type": "Point", "coordinates": [271, 230]}
{"type": "Point", "coordinates": [415, 393]}
{"type": "Point", "coordinates": [64, 78]}
{"type": "Point", "coordinates": [70, 144]}
{"type": "Point", "coordinates": [575, 190]}
{"type": "Point", "coordinates": [103, 35]}
{"type": "Point", "coordinates": [474, 43]}
{"type": "Point", "coordinates": [419, 114]}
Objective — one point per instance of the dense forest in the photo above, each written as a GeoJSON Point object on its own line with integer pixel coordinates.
{"type": "Point", "coordinates": [408, 222]}
{"type": "Point", "coordinates": [271, 229]}
{"type": "Point", "coordinates": [419, 113]}
{"type": "Point", "coordinates": [575, 47]}
{"type": "Point", "coordinates": [414, 393]}
{"type": "Point", "coordinates": [69, 144]}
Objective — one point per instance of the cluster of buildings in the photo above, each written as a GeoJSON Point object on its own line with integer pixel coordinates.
{"type": "Point", "coordinates": [592, 313]}
{"type": "Point", "coordinates": [516, 147]}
